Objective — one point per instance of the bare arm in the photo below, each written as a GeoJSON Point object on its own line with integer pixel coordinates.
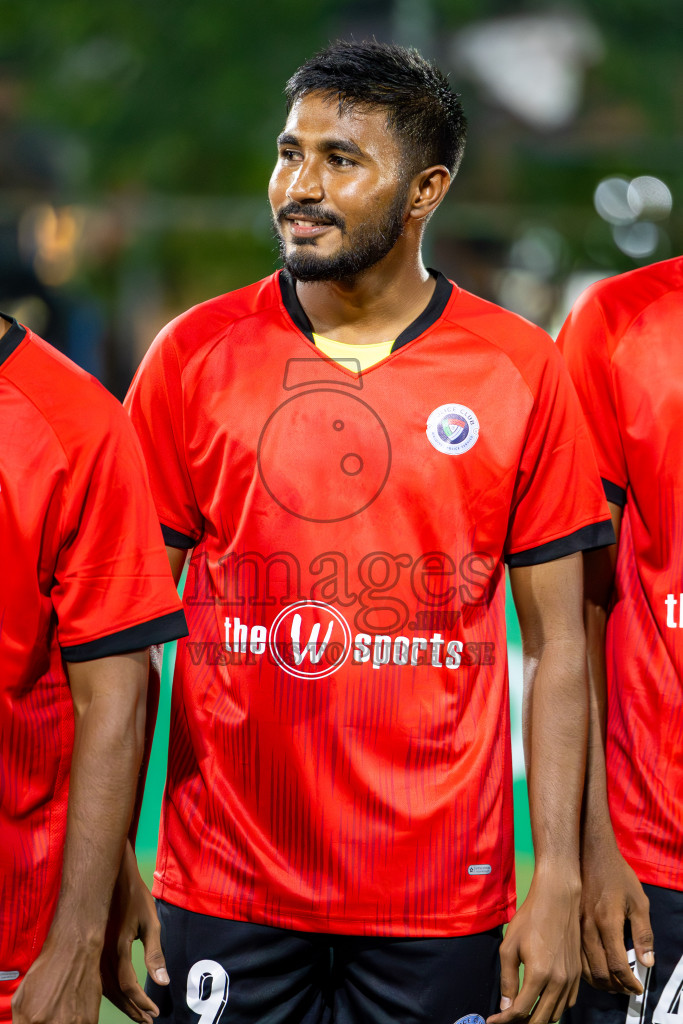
{"type": "Point", "coordinates": [63, 984]}
{"type": "Point", "coordinates": [133, 914]}
{"type": "Point", "coordinates": [544, 934]}
{"type": "Point", "coordinates": [611, 891]}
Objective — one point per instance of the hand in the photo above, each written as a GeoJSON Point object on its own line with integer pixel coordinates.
{"type": "Point", "coordinates": [132, 916]}
{"type": "Point", "coordinates": [543, 935]}
{"type": "Point", "coordinates": [63, 984]}
{"type": "Point", "coordinates": [611, 895]}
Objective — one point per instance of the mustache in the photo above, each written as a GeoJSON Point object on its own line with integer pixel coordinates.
{"type": "Point", "coordinates": [316, 212]}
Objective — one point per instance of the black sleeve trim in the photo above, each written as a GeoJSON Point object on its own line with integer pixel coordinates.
{"type": "Point", "coordinates": [595, 535]}
{"type": "Point", "coordinates": [156, 631]}
{"type": "Point", "coordinates": [175, 539]}
{"type": "Point", "coordinates": [614, 493]}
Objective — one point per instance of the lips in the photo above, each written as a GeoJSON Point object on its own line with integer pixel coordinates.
{"type": "Point", "coordinates": [305, 228]}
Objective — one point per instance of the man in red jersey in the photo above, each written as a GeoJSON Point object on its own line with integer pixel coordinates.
{"type": "Point", "coordinates": [352, 449]}
{"type": "Point", "coordinates": [622, 345]}
{"type": "Point", "coordinates": [84, 590]}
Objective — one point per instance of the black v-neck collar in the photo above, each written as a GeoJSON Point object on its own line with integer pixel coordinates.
{"type": "Point", "coordinates": [429, 315]}
{"type": "Point", "coordinates": [12, 339]}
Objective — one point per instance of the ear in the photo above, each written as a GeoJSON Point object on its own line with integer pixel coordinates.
{"type": "Point", "coordinates": [427, 190]}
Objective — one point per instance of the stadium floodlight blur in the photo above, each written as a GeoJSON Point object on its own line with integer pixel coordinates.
{"type": "Point", "coordinates": [531, 64]}
{"type": "Point", "coordinates": [632, 207]}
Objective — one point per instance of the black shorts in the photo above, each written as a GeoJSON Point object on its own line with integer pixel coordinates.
{"type": "Point", "coordinates": [662, 999]}
{"type": "Point", "coordinates": [244, 973]}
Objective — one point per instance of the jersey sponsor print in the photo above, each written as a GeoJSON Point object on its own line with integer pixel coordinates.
{"type": "Point", "coordinates": [340, 749]}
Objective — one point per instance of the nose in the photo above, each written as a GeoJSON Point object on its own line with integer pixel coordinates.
{"type": "Point", "coordinates": [306, 186]}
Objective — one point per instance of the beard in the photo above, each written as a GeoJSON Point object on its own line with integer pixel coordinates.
{"type": "Point", "coordinates": [360, 249]}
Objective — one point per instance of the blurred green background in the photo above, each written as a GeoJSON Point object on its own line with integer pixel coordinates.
{"type": "Point", "coordinates": [137, 138]}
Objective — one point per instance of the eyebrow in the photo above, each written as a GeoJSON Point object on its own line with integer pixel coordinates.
{"type": "Point", "coordinates": [325, 145]}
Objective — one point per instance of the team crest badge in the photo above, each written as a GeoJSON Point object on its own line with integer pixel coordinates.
{"type": "Point", "coordinates": [452, 429]}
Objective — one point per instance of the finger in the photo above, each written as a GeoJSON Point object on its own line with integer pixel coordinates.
{"type": "Point", "coordinates": [574, 992]}
{"type": "Point", "coordinates": [593, 953]}
{"type": "Point", "coordinates": [622, 978]}
{"type": "Point", "coordinates": [561, 1004]}
{"type": "Point", "coordinates": [154, 957]}
{"type": "Point", "coordinates": [521, 1007]}
{"type": "Point", "coordinates": [509, 976]}
{"type": "Point", "coordinates": [585, 967]}
{"type": "Point", "coordinates": [127, 1006]}
{"type": "Point", "coordinates": [551, 996]}
{"type": "Point", "coordinates": [643, 939]}
{"type": "Point", "coordinates": [132, 990]}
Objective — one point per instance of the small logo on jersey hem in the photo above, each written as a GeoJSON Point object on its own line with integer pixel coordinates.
{"type": "Point", "coordinates": [470, 1018]}
{"type": "Point", "coordinates": [479, 869]}
{"type": "Point", "coordinates": [452, 429]}
{"type": "Point", "coordinates": [9, 975]}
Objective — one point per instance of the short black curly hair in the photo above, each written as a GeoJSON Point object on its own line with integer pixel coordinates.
{"type": "Point", "coordinates": [422, 109]}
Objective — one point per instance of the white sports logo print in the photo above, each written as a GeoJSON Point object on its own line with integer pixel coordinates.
{"type": "Point", "coordinates": [311, 640]}
{"type": "Point", "coordinates": [337, 636]}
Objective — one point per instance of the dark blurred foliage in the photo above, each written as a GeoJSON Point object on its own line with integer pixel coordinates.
{"type": "Point", "coordinates": [161, 119]}
{"type": "Point", "coordinates": [174, 95]}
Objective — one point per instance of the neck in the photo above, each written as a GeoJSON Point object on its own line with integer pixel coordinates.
{"type": "Point", "coordinates": [374, 306]}
{"type": "Point", "coordinates": [4, 327]}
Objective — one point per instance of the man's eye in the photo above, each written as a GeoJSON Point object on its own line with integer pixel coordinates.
{"type": "Point", "coordinates": [341, 161]}
{"type": "Point", "coordinates": [289, 154]}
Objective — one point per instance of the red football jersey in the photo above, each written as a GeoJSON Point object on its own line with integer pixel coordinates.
{"type": "Point", "coordinates": [623, 347]}
{"type": "Point", "coordinates": [84, 576]}
{"type": "Point", "coordinates": [340, 753]}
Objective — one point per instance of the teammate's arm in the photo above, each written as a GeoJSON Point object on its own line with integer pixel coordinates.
{"type": "Point", "coordinates": [63, 984]}
{"type": "Point", "coordinates": [544, 933]}
{"type": "Point", "coordinates": [133, 914]}
{"type": "Point", "coordinates": [611, 890]}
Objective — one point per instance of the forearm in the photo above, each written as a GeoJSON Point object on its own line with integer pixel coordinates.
{"type": "Point", "coordinates": [599, 568]}
{"type": "Point", "coordinates": [109, 737]}
{"type": "Point", "coordinates": [152, 709]}
{"type": "Point", "coordinates": [597, 825]}
{"type": "Point", "coordinates": [556, 735]}
{"type": "Point", "coordinates": [544, 933]}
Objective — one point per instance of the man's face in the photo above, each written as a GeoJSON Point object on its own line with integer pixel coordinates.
{"type": "Point", "coordinates": [337, 194]}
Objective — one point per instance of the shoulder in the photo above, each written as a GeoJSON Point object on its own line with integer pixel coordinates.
{"type": "Point", "coordinates": [194, 333]}
{"type": "Point", "coordinates": [614, 304]}
{"type": "Point", "coordinates": [82, 416]}
{"type": "Point", "coordinates": [527, 348]}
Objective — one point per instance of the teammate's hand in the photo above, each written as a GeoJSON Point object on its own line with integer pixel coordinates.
{"type": "Point", "coordinates": [132, 916]}
{"type": "Point", "coordinates": [63, 984]}
{"type": "Point", "coordinates": [611, 895]}
{"type": "Point", "coordinates": [543, 935]}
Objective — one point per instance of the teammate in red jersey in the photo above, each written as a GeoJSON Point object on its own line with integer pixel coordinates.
{"type": "Point", "coordinates": [622, 345]}
{"type": "Point", "coordinates": [84, 590]}
{"type": "Point", "coordinates": [352, 449]}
